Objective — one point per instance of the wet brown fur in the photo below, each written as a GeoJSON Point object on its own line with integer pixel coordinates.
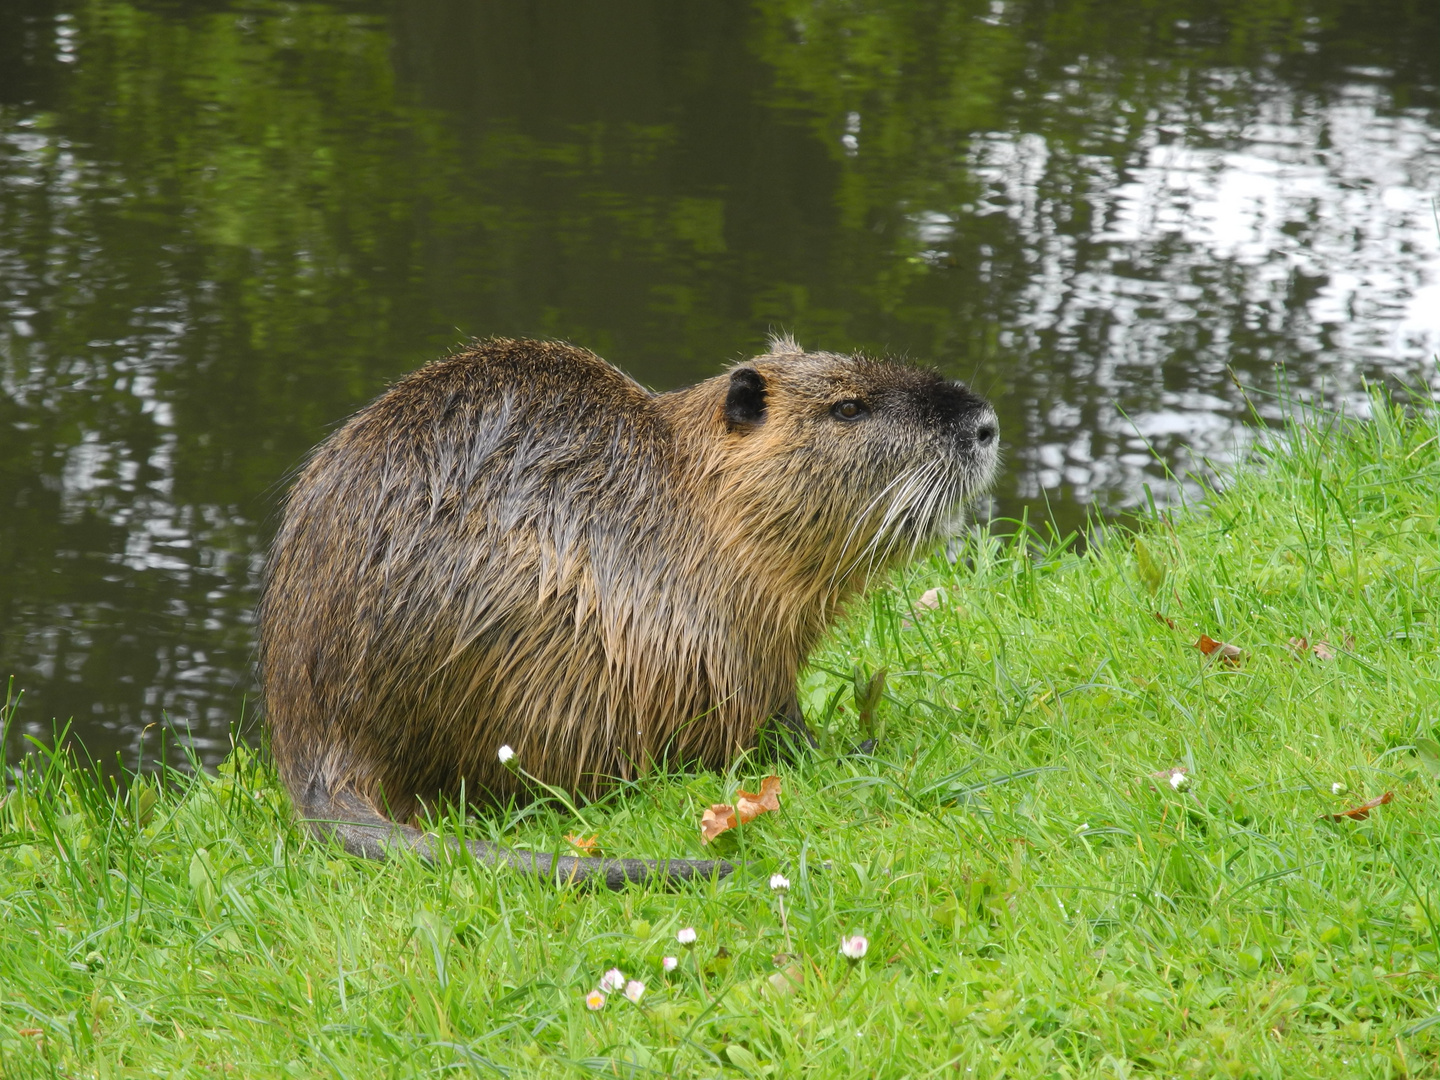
{"type": "Point", "coordinates": [521, 545]}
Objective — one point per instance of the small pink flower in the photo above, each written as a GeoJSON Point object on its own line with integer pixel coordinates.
{"type": "Point", "coordinates": [686, 936]}
{"type": "Point", "coordinates": [612, 980]}
{"type": "Point", "coordinates": [594, 1001]}
{"type": "Point", "coordinates": [854, 947]}
{"type": "Point", "coordinates": [634, 990]}
{"type": "Point", "coordinates": [670, 963]}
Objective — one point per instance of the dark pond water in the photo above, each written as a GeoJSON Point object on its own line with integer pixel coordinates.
{"type": "Point", "coordinates": [223, 226]}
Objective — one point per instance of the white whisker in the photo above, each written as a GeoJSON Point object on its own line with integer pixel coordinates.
{"type": "Point", "coordinates": [902, 502]}
{"type": "Point", "coordinates": [916, 504]}
{"type": "Point", "coordinates": [877, 533]}
{"type": "Point", "coordinates": [860, 519]}
{"type": "Point", "coordinates": [928, 519]}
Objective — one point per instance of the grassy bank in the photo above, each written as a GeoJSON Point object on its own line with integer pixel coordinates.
{"type": "Point", "coordinates": [1040, 896]}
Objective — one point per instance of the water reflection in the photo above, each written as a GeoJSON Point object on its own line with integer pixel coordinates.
{"type": "Point", "coordinates": [221, 229]}
{"type": "Point", "coordinates": [1301, 235]}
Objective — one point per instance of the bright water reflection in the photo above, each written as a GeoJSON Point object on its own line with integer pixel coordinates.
{"type": "Point", "coordinates": [222, 227]}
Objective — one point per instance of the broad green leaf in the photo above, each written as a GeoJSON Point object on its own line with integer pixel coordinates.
{"type": "Point", "coordinates": [1428, 751]}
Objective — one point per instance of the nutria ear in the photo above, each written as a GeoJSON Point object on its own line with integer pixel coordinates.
{"type": "Point", "coordinates": [745, 401]}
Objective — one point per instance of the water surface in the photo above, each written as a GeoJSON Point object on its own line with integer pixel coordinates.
{"type": "Point", "coordinates": [225, 226]}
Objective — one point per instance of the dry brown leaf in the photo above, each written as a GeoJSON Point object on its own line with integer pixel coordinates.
{"type": "Point", "coordinates": [788, 979]}
{"type": "Point", "coordinates": [584, 845]}
{"type": "Point", "coordinates": [748, 806]}
{"type": "Point", "coordinates": [1321, 650]}
{"type": "Point", "coordinates": [1167, 621]}
{"type": "Point", "coordinates": [1361, 812]}
{"type": "Point", "coordinates": [1230, 654]}
{"type": "Point", "coordinates": [715, 820]}
{"type": "Point", "coordinates": [751, 805]}
{"type": "Point", "coordinates": [930, 599]}
{"type": "Point", "coordinates": [29, 1031]}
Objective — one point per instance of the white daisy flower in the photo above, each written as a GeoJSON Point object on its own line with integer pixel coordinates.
{"type": "Point", "coordinates": [854, 947]}
{"type": "Point", "coordinates": [612, 980]}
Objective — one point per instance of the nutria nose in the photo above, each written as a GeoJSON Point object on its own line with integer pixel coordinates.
{"type": "Point", "coordinates": [984, 433]}
{"type": "Point", "coordinates": [955, 403]}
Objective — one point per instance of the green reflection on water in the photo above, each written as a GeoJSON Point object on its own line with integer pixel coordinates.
{"type": "Point", "coordinates": [223, 227]}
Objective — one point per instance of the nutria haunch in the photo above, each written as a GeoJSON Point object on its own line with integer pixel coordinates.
{"type": "Point", "coordinates": [520, 545]}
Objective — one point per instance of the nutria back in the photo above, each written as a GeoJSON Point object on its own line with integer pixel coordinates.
{"type": "Point", "coordinates": [521, 545]}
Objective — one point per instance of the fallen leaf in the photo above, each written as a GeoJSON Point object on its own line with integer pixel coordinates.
{"type": "Point", "coordinates": [1161, 618]}
{"type": "Point", "coordinates": [1230, 654]}
{"type": "Point", "coordinates": [715, 820]}
{"type": "Point", "coordinates": [1361, 812]}
{"type": "Point", "coordinates": [752, 804]}
{"type": "Point", "coordinates": [930, 599]}
{"type": "Point", "coordinates": [748, 806]}
{"type": "Point", "coordinates": [584, 845]}
{"type": "Point", "coordinates": [1321, 650]}
{"type": "Point", "coordinates": [787, 980]}
{"type": "Point", "coordinates": [29, 1031]}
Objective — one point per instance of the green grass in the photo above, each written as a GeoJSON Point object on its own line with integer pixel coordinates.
{"type": "Point", "coordinates": [1037, 901]}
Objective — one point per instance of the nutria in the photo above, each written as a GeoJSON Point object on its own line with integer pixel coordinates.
{"type": "Point", "coordinates": [520, 545]}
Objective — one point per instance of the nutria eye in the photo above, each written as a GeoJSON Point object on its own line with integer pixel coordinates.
{"type": "Point", "coordinates": [849, 410]}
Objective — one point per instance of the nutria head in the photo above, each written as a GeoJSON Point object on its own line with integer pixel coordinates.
{"type": "Point", "coordinates": [839, 464]}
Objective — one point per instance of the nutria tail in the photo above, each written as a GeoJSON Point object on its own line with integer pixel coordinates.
{"type": "Point", "coordinates": [364, 831]}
